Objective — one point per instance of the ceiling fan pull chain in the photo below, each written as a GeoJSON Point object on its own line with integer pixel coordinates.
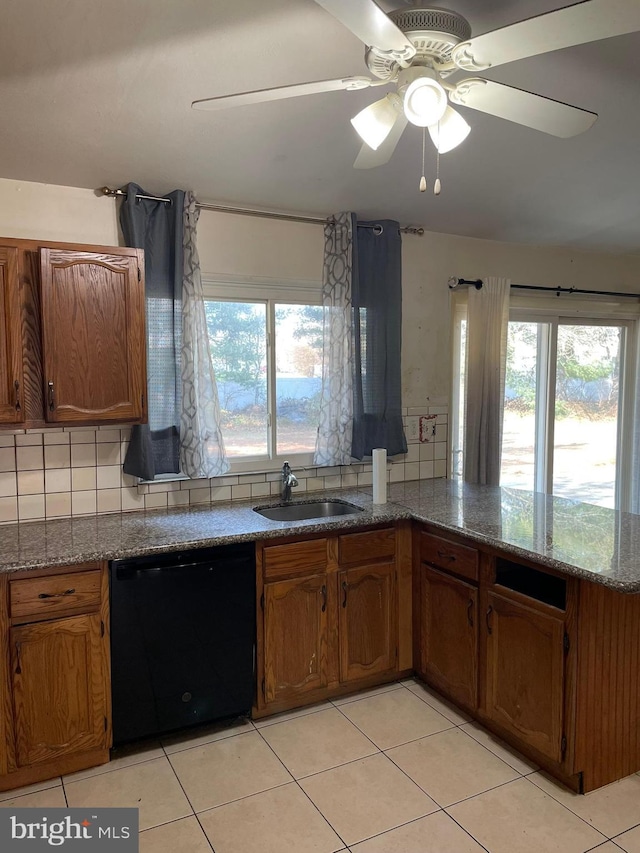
{"type": "Point", "coordinates": [423, 180]}
{"type": "Point", "coordinates": [437, 187]}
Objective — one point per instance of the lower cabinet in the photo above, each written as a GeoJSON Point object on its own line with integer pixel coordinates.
{"type": "Point", "coordinates": [54, 653]}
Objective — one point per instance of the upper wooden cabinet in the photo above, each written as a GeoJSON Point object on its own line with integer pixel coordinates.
{"type": "Point", "coordinates": [11, 384]}
{"type": "Point", "coordinates": [74, 346]}
{"type": "Point", "coordinates": [93, 336]}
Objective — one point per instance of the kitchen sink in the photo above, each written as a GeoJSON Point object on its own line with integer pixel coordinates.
{"type": "Point", "coordinates": [311, 509]}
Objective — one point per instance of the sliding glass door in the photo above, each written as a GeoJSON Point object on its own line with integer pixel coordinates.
{"type": "Point", "coordinates": [563, 404]}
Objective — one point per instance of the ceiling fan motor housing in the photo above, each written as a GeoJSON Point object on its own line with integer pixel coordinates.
{"type": "Point", "coordinates": [433, 32]}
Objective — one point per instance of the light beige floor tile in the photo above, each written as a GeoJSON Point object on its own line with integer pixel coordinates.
{"type": "Point", "coordinates": [228, 769]}
{"type": "Point", "coordinates": [367, 797]}
{"type": "Point", "coordinates": [273, 821]}
{"type": "Point", "coordinates": [456, 715]}
{"type": "Point", "coordinates": [291, 715]}
{"type": "Point", "coordinates": [30, 789]}
{"type": "Point", "coordinates": [607, 847]}
{"type": "Point", "coordinates": [51, 798]}
{"type": "Point", "coordinates": [364, 694]}
{"type": "Point", "coordinates": [181, 836]}
{"type": "Point", "coordinates": [500, 748]}
{"type": "Point", "coordinates": [451, 766]}
{"type": "Point", "coordinates": [317, 742]}
{"type": "Point", "coordinates": [520, 818]}
{"type": "Point", "coordinates": [611, 810]}
{"type": "Point", "coordinates": [630, 840]}
{"type": "Point", "coordinates": [396, 717]}
{"type": "Point", "coordinates": [205, 734]}
{"type": "Point", "coordinates": [151, 787]}
{"type": "Point", "coordinates": [436, 833]}
{"type": "Point", "coordinates": [122, 757]}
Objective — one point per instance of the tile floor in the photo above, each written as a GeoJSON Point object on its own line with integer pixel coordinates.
{"type": "Point", "coordinates": [390, 770]}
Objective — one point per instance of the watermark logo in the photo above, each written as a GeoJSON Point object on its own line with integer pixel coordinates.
{"type": "Point", "coordinates": [69, 830]}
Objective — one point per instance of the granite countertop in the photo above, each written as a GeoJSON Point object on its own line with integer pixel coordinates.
{"type": "Point", "coordinates": [592, 542]}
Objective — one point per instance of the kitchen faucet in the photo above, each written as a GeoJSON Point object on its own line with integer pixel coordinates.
{"type": "Point", "coordinates": [288, 482]}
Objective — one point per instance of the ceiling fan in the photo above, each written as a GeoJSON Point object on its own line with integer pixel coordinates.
{"type": "Point", "coordinates": [419, 48]}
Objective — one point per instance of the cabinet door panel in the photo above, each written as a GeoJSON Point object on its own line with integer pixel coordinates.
{"type": "Point", "coordinates": [449, 643]}
{"type": "Point", "coordinates": [60, 704]}
{"type": "Point", "coordinates": [93, 336]}
{"type": "Point", "coordinates": [525, 673]}
{"type": "Point", "coordinates": [11, 384]}
{"type": "Point", "coordinates": [295, 636]}
{"type": "Point", "coordinates": [368, 633]}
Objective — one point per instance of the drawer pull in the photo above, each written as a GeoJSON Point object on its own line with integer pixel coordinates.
{"type": "Point", "coordinates": [470, 613]}
{"type": "Point", "coordinates": [52, 401]}
{"type": "Point", "coordinates": [445, 556]}
{"type": "Point", "coordinates": [18, 662]}
{"type": "Point", "coordinates": [324, 597]}
{"type": "Point", "coordinates": [345, 587]}
{"type": "Point", "coordinates": [488, 619]}
{"type": "Point", "coordinates": [56, 594]}
{"type": "Point", "coordinates": [16, 386]}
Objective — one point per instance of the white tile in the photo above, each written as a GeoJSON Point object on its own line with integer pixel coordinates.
{"type": "Point", "coordinates": [221, 493]}
{"type": "Point", "coordinates": [177, 498]}
{"type": "Point", "coordinates": [240, 492]}
{"type": "Point", "coordinates": [260, 490]}
{"type": "Point", "coordinates": [107, 435]}
{"type": "Point", "coordinates": [412, 471]}
{"type": "Point", "coordinates": [131, 500]}
{"type": "Point", "coordinates": [9, 509]}
{"type": "Point", "coordinates": [108, 453]}
{"type": "Point", "coordinates": [30, 507]}
{"type": "Point", "coordinates": [30, 482]}
{"type": "Point", "coordinates": [57, 480]}
{"type": "Point", "coordinates": [8, 485]}
{"type": "Point", "coordinates": [628, 841]}
{"type": "Point", "coordinates": [365, 479]}
{"type": "Point", "coordinates": [56, 437]}
{"type": "Point", "coordinates": [83, 503]}
{"type": "Point", "coordinates": [29, 439]}
{"type": "Point", "coordinates": [83, 479]}
{"type": "Point", "coordinates": [413, 453]}
{"type": "Point", "coordinates": [440, 468]}
{"type": "Point", "coordinates": [109, 500]}
{"type": "Point", "coordinates": [396, 475]}
{"type": "Point", "coordinates": [82, 455]}
{"type": "Point", "coordinates": [191, 738]}
{"type": "Point", "coordinates": [199, 496]}
{"type": "Point", "coordinates": [426, 451]}
{"type": "Point", "coordinates": [8, 458]}
{"type": "Point", "coordinates": [31, 789]}
{"type": "Point", "coordinates": [29, 458]}
{"type": "Point", "coordinates": [156, 501]}
{"type": "Point", "coordinates": [349, 481]}
{"type": "Point", "coordinates": [56, 456]}
{"type": "Point", "coordinates": [58, 504]}
{"type": "Point", "coordinates": [83, 436]}
{"type": "Point", "coordinates": [108, 477]}
{"type": "Point", "coordinates": [427, 470]}
{"type": "Point", "coordinates": [7, 439]}
{"type": "Point", "coordinates": [438, 410]}
{"type": "Point", "coordinates": [440, 450]}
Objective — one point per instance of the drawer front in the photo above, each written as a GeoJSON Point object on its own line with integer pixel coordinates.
{"type": "Point", "coordinates": [76, 591]}
{"type": "Point", "coordinates": [294, 559]}
{"type": "Point", "coordinates": [459, 559]}
{"type": "Point", "coordinates": [364, 547]}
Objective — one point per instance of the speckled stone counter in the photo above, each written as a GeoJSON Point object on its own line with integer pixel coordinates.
{"type": "Point", "coordinates": [580, 539]}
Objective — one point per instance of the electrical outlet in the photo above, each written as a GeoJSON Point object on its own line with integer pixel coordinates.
{"type": "Point", "coordinates": [412, 431]}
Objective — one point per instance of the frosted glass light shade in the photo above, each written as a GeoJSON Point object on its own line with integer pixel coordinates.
{"type": "Point", "coordinates": [425, 101]}
{"type": "Point", "coordinates": [450, 132]}
{"type": "Point", "coordinates": [374, 123]}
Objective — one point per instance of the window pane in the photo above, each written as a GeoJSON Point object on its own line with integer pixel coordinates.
{"type": "Point", "coordinates": [298, 376]}
{"type": "Point", "coordinates": [586, 415]}
{"type": "Point", "coordinates": [238, 339]}
{"type": "Point", "coordinates": [519, 424]}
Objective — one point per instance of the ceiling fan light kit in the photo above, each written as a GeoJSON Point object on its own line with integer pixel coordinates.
{"type": "Point", "coordinates": [418, 48]}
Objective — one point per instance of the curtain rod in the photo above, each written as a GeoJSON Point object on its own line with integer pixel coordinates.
{"type": "Point", "coordinates": [265, 214]}
{"type": "Point", "coordinates": [477, 283]}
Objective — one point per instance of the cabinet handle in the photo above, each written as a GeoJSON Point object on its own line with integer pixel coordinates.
{"type": "Point", "coordinates": [470, 612]}
{"type": "Point", "coordinates": [52, 402]}
{"type": "Point", "coordinates": [488, 619]}
{"type": "Point", "coordinates": [18, 662]}
{"type": "Point", "coordinates": [445, 556]}
{"type": "Point", "coordinates": [345, 587]}
{"type": "Point", "coordinates": [56, 594]}
{"type": "Point", "coordinates": [16, 386]}
{"type": "Point", "coordinates": [324, 597]}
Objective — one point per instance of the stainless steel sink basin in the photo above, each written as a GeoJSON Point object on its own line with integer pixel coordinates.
{"type": "Point", "coordinates": [312, 509]}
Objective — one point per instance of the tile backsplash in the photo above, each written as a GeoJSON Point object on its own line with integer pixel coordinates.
{"type": "Point", "coordinates": [56, 473]}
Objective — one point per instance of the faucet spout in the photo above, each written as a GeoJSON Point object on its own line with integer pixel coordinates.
{"type": "Point", "coordinates": [289, 480]}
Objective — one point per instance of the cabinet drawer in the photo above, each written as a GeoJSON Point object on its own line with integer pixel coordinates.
{"type": "Point", "coordinates": [364, 547]}
{"type": "Point", "coordinates": [76, 591]}
{"type": "Point", "coordinates": [295, 558]}
{"type": "Point", "coordinates": [459, 559]}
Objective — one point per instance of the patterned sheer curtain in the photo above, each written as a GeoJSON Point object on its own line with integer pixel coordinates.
{"type": "Point", "coordinates": [487, 323]}
{"type": "Point", "coordinates": [202, 452]}
{"type": "Point", "coordinates": [333, 442]}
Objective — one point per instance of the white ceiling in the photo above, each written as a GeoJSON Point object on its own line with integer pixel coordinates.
{"type": "Point", "coordinates": [97, 92]}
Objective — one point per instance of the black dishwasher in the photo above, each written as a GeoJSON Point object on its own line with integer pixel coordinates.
{"type": "Point", "coordinates": [182, 639]}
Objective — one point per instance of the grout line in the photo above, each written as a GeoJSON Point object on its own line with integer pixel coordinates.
{"type": "Point", "coordinates": [190, 803]}
{"type": "Point", "coordinates": [206, 743]}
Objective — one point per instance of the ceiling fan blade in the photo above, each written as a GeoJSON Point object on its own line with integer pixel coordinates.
{"type": "Point", "coordinates": [369, 159]}
{"type": "Point", "coordinates": [590, 20]}
{"type": "Point", "coordinates": [522, 107]}
{"type": "Point", "coordinates": [261, 95]}
{"type": "Point", "coordinates": [371, 25]}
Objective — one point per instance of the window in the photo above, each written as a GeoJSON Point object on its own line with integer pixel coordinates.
{"type": "Point", "coordinates": [266, 348]}
{"type": "Point", "coordinates": [568, 401]}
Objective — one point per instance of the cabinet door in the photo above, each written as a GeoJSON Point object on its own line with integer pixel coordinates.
{"type": "Point", "coordinates": [449, 635]}
{"type": "Point", "coordinates": [11, 386]}
{"type": "Point", "coordinates": [59, 688]}
{"type": "Point", "coordinates": [295, 636]}
{"type": "Point", "coordinates": [93, 336]}
{"type": "Point", "coordinates": [525, 673]}
{"type": "Point", "coordinates": [368, 633]}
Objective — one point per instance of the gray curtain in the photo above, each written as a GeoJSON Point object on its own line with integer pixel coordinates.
{"type": "Point", "coordinates": [157, 227]}
{"type": "Point", "coordinates": [377, 334]}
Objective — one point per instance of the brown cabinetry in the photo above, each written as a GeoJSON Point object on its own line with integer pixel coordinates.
{"type": "Point", "coordinates": [54, 652]}
{"type": "Point", "coordinates": [74, 348]}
